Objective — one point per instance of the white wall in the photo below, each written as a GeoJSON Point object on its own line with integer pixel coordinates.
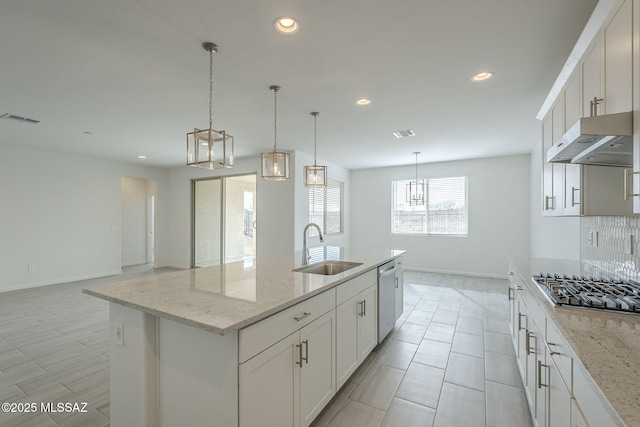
{"type": "Point", "coordinates": [275, 210]}
{"type": "Point", "coordinates": [61, 214]}
{"type": "Point", "coordinates": [302, 202]}
{"type": "Point", "coordinates": [498, 206]}
{"type": "Point", "coordinates": [551, 237]}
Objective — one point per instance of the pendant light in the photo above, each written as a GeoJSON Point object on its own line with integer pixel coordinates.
{"type": "Point", "coordinates": [315, 176]}
{"type": "Point", "coordinates": [275, 165]}
{"type": "Point", "coordinates": [209, 148]}
{"type": "Point", "coordinates": [415, 189]}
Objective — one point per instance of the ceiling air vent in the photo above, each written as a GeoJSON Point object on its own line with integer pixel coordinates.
{"type": "Point", "coordinates": [404, 133]}
{"type": "Point", "coordinates": [19, 119]}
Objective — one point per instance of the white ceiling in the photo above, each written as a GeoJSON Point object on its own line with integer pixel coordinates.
{"type": "Point", "coordinates": [133, 73]}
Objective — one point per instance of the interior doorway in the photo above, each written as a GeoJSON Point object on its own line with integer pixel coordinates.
{"type": "Point", "coordinates": [137, 220]}
{"type": "Point", "coordinates": [224, 219]}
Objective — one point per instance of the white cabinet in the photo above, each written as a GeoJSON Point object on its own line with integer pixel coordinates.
{"type": "Point", "coordinates": [290, 382]}
{"type": "Point", "coordinates": [357, 332]}
{"type": "Point", "coordinates": [601, 84]}
{"type": "Point", "coordinates": [558, 394]}
{"type": "Point", "coordinates": [399, 287]}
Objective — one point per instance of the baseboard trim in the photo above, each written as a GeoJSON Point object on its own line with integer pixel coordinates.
{"type": "Point", "coordinates": [59, 281]}
{"type": "Point", "coordinates": [457, 273]}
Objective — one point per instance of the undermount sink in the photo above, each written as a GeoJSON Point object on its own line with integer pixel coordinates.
{"type": "Point", "coordinates": [327, 268]}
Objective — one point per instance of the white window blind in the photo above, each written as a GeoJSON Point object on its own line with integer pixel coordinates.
{"type": "Point", "coordinates": [326, 207]}
{"type": "Point", "coordinates": [444, 211]}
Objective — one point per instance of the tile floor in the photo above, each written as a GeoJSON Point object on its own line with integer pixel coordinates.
{"type": "Point", "coordinates": [448, 362]}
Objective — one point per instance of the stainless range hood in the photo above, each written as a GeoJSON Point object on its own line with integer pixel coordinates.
{"type": "Point", "coordinates": [601, 140]}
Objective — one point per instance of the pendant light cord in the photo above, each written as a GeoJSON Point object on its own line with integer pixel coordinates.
{"type": "Point", "coordinates": [275, 116]}
{"type": "Point", "coordinates": [315, 137]}
{"type": "Point", "coordinates": [211, 88]}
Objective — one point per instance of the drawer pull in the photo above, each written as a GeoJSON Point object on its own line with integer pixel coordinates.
{"type": "Point", "coordinates": [299, 362]}
{"type": "Point", "coordinates": [531, 350]}
{"type": "Point", "coordinates": [302, 316]}
{"type": "Point", "coordinates": [551, 352]}
{"type": "Point", "coordinates": [520, 316]}
{"type": "Point", "coordinates": [540, 383]}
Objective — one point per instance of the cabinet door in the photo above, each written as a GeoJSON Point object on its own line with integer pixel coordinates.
{"type": "Point", "coordinates": [521, 326]}
{"type": "Point", "coordinates": [270, 386]}
{"type": "Point", "coordinates": [618, 52]}
{"type": "Point", "coordinates": [347, 358]}
{"type": "Point", "coordinates": [577, 419]}
{"type": "Point", "coordinates": [317, 372]}
{"type": "Point", "coordinates": [539, 375]}
{"type": "Point", "coordinates": [572, 173]}
{"type": "Point", "coordinates": [368, 326]}
{"type": "Point", "coordinates": [559, 409]}
{"type": "Point", "coordinates": [591, 68]}
{"type": "Point", "coordinates": [399, 292]}
{"type": "Point", "coordinates": [547, 168]}
{"type": "Point", "coordinates": [557, 130]}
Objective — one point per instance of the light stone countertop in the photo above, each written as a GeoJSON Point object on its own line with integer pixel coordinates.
{"type": "Point", "coordinates": [607, 343]}
{"type": "Point", "coordinates": [225, 298]}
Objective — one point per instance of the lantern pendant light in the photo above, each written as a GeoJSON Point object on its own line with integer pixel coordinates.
{"type": "Point", "coordinates": [209, 148]}
{"type": "Point", "coordinates": [275, 165]}
{"type": "Point", "coordinates": [315, 176]}
{"type": "Point", "coordinates": [415, 189]}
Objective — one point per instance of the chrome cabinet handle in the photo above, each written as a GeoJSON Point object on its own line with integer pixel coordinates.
{"type": "Point", "coordinates": [540, 383]}
{"type": "Point", "coordinates": [306, 352]}
{"type": "Point", "coordinates": [551, 352]}
{"type": "Point", "coordinates": [302, 316]}
{"type": "Point", "coordinates": [520, 316]}
{"type": "Point", "coordinates": [397, 286]}
{"type": "Point", "coordinates": [546, 203]}
{"type": "Point", "coordinates": [510, 294]}
{"type": "Point", "coordinates": [628, 172]}
{"type": "Point", "coordinates": [361, 304]}
{"type": "Point", "coordinates": [573, 196]}
{"type": "Point", "coordinates": [593, 106]}
{"type": "Point", "coordinates": [531, 350]}
{"type": "Point", "coordinates": [299, 355]}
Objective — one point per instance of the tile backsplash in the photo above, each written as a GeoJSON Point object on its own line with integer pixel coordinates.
{"type": "Point", "coordinates": [609, 253]}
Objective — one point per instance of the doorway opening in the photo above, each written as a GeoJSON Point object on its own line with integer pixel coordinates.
{"type": "Point", "coordinates": [137, 220]}
{"type": "Point", "coordinates": [224, 220]}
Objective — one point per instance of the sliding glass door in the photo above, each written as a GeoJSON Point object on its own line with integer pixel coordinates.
{"type": "Point", "coordinates": [224, 218]}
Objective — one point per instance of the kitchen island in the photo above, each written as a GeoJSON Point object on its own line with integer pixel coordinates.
{"type": "Point", "coordinates": [578, 364]}
{"type": "Point", "coordinates": [218, 345]}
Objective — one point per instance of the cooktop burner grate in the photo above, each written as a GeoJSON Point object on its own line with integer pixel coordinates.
{"type": "Point", "coordinates": [590, 292]}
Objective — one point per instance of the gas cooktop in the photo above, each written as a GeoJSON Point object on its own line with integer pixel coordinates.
{"type": "Point", "coordinates": [602, 294]}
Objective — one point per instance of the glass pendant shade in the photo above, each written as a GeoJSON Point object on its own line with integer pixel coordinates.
{"type": "Point", "coordinates": [415, 188]}
{"type": "Point", "coordinates": [209, 149]}
{"type": "Point", "coordinates": [275, 166]}
{"type": "Point", "coordinates": [415, 192]}
{"type": "Point", "coordinates": [315, 176]}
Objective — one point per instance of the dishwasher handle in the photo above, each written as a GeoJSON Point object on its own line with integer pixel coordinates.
{"type": "Point", "coordinates": [388, 271]}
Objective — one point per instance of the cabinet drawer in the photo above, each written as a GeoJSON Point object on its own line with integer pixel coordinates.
{"type": "Point", "coordinates": [260, 336]}
{"type": "Point", "coordinates": [559, 350]}
{"type": "Point", "coordinates": [353, 287]}
{"type": "Point", "coordinates": [590, 401]}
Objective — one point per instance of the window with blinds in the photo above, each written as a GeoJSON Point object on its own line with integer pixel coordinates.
{"type": "Point", "coordinates": [326, 207]}
{"type": "Point", "coordinates": [444, 211]}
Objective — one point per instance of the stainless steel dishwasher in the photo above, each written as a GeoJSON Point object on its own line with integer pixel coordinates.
{"type": "Point", "coordinates": [386, 298]}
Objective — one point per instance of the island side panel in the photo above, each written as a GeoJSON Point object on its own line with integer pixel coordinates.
{"type": "Point", "coordinates": [133, 367]}
{"type": "Point", "coordinates": [198, 376]}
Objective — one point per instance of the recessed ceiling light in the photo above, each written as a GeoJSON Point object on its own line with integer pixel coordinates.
{"type": "Point", "coordinates": [285, 25]}
{"type": "Point", "coordinates": [89, 133]}
{"type": "Point", "coordinates": [363, 101]}
{"type": "Point", "coordinates": [485, 75]}
{"type": "Point", "coordinates": [142, 157]}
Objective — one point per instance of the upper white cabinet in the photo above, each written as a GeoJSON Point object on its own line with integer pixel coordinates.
{"type": "Point", "coordinates": [602, 83]}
